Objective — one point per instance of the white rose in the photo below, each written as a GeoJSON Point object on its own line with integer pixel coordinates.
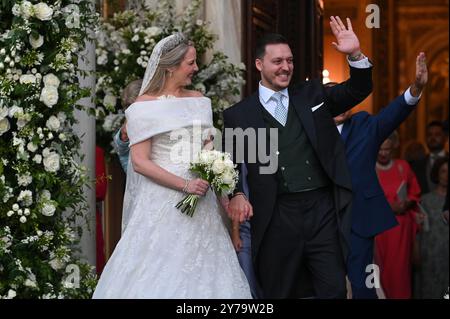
{"type": "Point", "coordinates": [227, 178]}
{"type": "Point", "coordinates": [53, 123]}
{"type": "Point", "coordinates": [62, 117]}
{"type": "Point", "coordinates": [109, 100]}
{"type": "Point", "coordinates": [4, 126]}
{"type": "Point", "coordinates": [27, 9]}
{"type": "Point", "coordinates": [62, 137]}
{"type": "Point", "coordinates": [49, 96]}
{"type": "Point", "coordinates": [218, 166]}
{"type": "Point", "coordinates": [15, 207]}
{"type": "Point", "coordinates": [32, 147]}
{"type": "Point", "coordinates": [51, 80]}
{"type": "Point", "coordinates": [15, 109]}
{"type": "Point", "coordinates": [26, 197]}
{"type": "Point", "coordinates": [56, 264]}
{"type": "Point", "coordinates": [3, 112]}
{"type": "Point", "coordinates": [11, 294]}
{"type": "Point", "coordinates": [24, 180]}
{"type": "Point", "coordinates": [27, 79]}
{"type": "Point", "coordinates": [30, 283]}
{"type": "Point", "coordinates": [46, 152]}
{"type": "Point", "coordinates": [228, 163]}
{"type": "Point", "coordinates": [207, 158]}
{"type": "Point", "coordinates": [46, 195]}
{"type": "Point", "coordinates": [23, 219]}
{"type": "Point", "coordinates": [48, 209]}
{"type": "Point", "coordinates": [23, 119]}
{"type": "Point", "coordinates": [16, 10]}
{"type": "Point", "coordinates": [42, 11]}
{"type": "Point", "coordinates": [36, 42]}
{"type": "Point", "coordinates": [37, 159]}
{"type": "Point", "coordinates": [51, 163]}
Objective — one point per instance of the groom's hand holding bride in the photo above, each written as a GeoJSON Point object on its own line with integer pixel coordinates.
{"type": "Point", "coordinates": [239, 208]}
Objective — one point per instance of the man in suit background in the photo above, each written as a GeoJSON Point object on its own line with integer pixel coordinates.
{"type": "Point", "coordinates": [436, 139]}
{"type": "Point", "coordinates": [301, 223]}
{"type": "Point", "coordinates": [363, 134]}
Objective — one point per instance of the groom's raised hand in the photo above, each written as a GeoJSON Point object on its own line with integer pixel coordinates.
{"type": "Point", "coordinates": [347, 41]}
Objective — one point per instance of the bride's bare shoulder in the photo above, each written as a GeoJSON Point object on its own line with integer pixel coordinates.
{"type": "Point", "coordinates": [145, 97]}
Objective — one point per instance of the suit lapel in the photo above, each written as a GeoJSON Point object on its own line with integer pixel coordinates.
{"type": "Point", "coordinates": [255, 117]}
{"type": "Point", "coordinates": [299, 100]}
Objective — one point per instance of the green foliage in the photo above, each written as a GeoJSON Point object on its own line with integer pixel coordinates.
{"type": "Point", "coordinates": [41, 184]}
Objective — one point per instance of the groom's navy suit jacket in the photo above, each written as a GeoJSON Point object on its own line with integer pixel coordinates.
{"type": "Point", "coordinates": [315, 106]}
{"type": "Point", "coordinates": [363, 135]}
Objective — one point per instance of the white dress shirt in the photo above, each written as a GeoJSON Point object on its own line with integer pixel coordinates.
{"type": "Point", "coordinates": [265, 97]}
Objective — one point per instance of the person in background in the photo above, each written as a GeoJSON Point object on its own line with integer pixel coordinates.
{"type": "Point", "coordinates": [434, 239]}
{"type": "Point", "coordinates": [301, 205]}
{"type": "Point", "coordinates": [414, 151]}
{"type": "Point", "coordinates": [436, 140]}
{"type": "Point", "coordinates": [394, 247]}
{"type": "Point", "coordinates": [121, 142]}
{"type": "Point", "coordinates": [241, 238]}
{"type": "Point", "coordinates": [363, 134]}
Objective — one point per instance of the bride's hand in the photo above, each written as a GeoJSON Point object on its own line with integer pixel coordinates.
{"type": "Point", "coordinates": [197, 186]}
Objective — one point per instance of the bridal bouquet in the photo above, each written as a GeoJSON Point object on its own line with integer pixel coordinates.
{"type": "Point", "coordinates": [218, 169]}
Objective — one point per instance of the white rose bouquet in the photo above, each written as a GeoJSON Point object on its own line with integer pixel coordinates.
{"type": "Point", "coordinates": [218, 169]}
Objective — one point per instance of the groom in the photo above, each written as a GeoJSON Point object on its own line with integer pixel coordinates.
{"type": "Point", "coordinates": [301, 219]}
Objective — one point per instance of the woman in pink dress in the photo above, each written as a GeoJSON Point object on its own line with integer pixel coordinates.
{"type": "Point", "coordinates": [394, 248]}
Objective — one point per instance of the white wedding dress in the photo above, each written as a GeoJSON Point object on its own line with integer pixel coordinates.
{"type": "Point", "coordinates": [163, 253]}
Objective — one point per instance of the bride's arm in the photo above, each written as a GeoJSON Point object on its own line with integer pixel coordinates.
{"type": "Point", "coordinates": [142, 164]}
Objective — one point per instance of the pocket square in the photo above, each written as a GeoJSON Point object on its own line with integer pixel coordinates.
{"type": "Point", "coordinates": [314, 108]}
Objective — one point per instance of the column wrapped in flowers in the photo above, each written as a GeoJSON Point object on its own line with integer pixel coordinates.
{"type": "Point", "coordinates": [41, 183]}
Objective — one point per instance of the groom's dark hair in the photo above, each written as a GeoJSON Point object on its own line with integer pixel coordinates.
{"type": "Point", "coordinates": [269, 38]}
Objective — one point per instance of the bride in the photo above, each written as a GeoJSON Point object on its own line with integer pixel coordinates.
{"type": "Point", "coordinates": [163, 253]}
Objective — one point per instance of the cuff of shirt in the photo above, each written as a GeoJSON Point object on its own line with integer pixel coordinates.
{"type": "Point", "coordinates": [361, 64]}
{"type": "Point", "coordinates": [411, 100]}
{"type": "Point", "coordinates": [119, 142]}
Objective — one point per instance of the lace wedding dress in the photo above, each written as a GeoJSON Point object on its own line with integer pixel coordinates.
{"type": "Point", "coordinates": [163, 253]}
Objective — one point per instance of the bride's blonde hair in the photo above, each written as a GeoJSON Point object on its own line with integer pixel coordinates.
{"type": "Point", "coordinates": [170, 59]}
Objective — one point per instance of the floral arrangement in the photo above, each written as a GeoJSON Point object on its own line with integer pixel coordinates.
{"type": "Point", "coordinates": [218, 169]}
{"type": "Point", "coordinates": [41, 183]}
{"type": "Point", "coordinates": [124, 45]}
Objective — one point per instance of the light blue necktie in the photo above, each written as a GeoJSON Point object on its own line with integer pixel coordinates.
{"type": "Point", "coordinates": [281, 111]}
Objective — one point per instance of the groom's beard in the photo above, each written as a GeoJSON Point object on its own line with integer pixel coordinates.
{"type": "Point", "coordinates": [284, 84]}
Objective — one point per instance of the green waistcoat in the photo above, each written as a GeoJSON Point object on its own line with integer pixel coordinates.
{"type": "Point", "coordinates": [299, 168]}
